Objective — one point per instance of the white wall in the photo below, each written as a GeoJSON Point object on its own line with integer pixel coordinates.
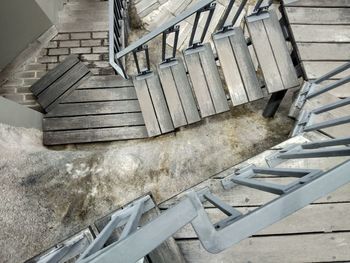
{"type": "Point", "coordinates": [51, 8]}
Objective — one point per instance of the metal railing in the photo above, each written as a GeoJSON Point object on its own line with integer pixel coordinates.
{"type": "Point", "coordinates": [173, 27]}
{"type": "Point", "coordinates": [118, 33]}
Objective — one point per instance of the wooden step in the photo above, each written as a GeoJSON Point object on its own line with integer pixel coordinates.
{"type": "Point", "coordinates": [178, 93]}
{"type": "Point", "coordinates": [153, 104]}
{"type": "Point", "coordinates": [272, 52]}
{"type": "Point", "coordinates": [237, 66]}
{"type": "Point", "coordinates": [206, 80]}
{"type": "Point", "coordinates": [58, 83]}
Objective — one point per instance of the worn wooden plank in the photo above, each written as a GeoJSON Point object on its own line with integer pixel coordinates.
{"type": "Point", "coordinates": [293, 248]}
{"type": "Point", "coordinates": [185, 92]}
{"type": "Point", "coordinates": [324, 51]}
{"type": "Point", "coordinates": [94, 135]}
{"type": "Point", "coordinates": [63, 84]}
{"type": "Point", "coordinates": [97, 82]}
{"type": "Point", "coordinates": [231, 72]}
{"type": "Point", "coordinates": [53, 75]}
{"type": "Point", "coordinates": [265, 56]}
{"type": "Point", "coordinates": [172, 96]}
{"type": "Point", "coordinates": [280, 51]}
{"type": "Point", "coordinates": [88, 122]}
{"type": "Point", "coordinates": [319, 16]}
{"type": "Point", "coordinates": [159, 104]}
{"type": "Point", "coordinates": [214, 82]}
{"type": "Point", "coordinates": [315, 69]}
{"type": "Point", "coordinates": [199, 84]}
{"type": "Point", "coordinates": [94, 108]}
{"type": "Point", "coordinates": [321, 33]}
{"type": "Point", "coordinates": [318, 3]}
{"type": "Point", "coordinates": [314, 218]}
{"type": "Point", "coordinates": [245, 65]}
{"type": "Point", "coordinates": [146, 106]}
{"type": "Point", "coordinates": [102, 94]}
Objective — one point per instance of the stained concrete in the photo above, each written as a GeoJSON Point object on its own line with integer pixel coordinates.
{"type": "Point", "coordinates": [49, 194]}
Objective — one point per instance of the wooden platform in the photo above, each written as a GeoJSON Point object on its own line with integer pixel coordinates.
{"type": "Point", "coordinates": [103, 108]}
{"type": "Point", "coordinates": [321, 33]}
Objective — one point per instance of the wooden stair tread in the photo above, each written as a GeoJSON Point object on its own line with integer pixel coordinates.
{"type": "Point", "coordinates": [206, 80]}
{"type": "Point", "coordinates": [272, 53]}
{"type": "Point", "coordinates": [153, 104]}
{"type": "Point", "coordinates": [237, 66]}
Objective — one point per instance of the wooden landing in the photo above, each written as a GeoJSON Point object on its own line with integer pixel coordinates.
{"type": "Point", "coordinates": [103, 108]}
{"type": "Point", "coordinates": [316, 233]}
{"type": "Point", "coordinates": [272, 52]}
{"type": "Point", "coordinates": [321, 32]}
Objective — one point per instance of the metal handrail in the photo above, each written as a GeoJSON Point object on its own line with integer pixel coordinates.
{"type": "Point", "coordinates": [145, 39]}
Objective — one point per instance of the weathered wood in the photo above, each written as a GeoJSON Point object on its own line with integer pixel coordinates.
{"type": "Point", "coordinates": [231, 72]}
{"type": "Point", "coordinates": [245, 65]}
{"type": "Point", "coordinates": [53, 75]}
{"type": "Point", "coordinates": [146, 105]}
{"type": "Point", "coordinates": [324, 51]}
{"type": "Point", "coordinates": [96, 82]}
{"type": "Point", "coordinates": [93, 108]}
{"type": "Point", "coordinates": [199, 83]}
{"type": "Point", "coordinates": [172, 96]}
{"type": "Point", "coordinates": [280, 51]}
{"type": "Point", "coordinates": [321, 33]}
{"type": "Point", "coordinates": [265, 56]}
{"type": "Point", "coordinates": [62, 85]}
{"type": "Point", "coordinates": [315, 69]}
{"type": "Point", "coordinates": [159, 104]}
{"type": "Point", "coordinates": [94, 135]}
{"type": "Point", "coordinates": [185, 92]}
{"type": "Point", "coordinates": [319, 16]}
{"type": "Point", "coordinates": [103, 94]}
{"type": "Point", "coordinates": [88, 122]}
{"type": "Point", "coordinates": [314, 218]}
{"type": "Point", "coordinates": [292, 248]}
{"type": "Point", "coordinates": [213, 79]}
{"type": "Point", "coordinates": [318, 3]}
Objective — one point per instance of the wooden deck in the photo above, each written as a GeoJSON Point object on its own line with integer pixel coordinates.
{"type": "Point", "coordinates": [321, 33]}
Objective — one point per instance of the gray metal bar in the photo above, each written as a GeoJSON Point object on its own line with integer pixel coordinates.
{"type": "Point", "coordinates": [211, 10]}
{"type": "Point", "coordinates": [225, 208]}
{"type": "Point", "coordinates": [326, 143]}
{"type": "Point", "coordinates": [164, 27]}
{"type": "Point", "coordinates": [102, 238]}
{"type": "Point", "coordinates": [300, 154]}
{"type": "Point", "coordinates": [133, 222]}
{"type": "Point", "coordinates": [328, 87]}
{"type": "Point", "coordinates": [216, 241]}
{"type": "Point", "coordinates": [150, 236]}
{"type": "Point", "coordinates": [222, 21]}
{"type": "Point", "coordinates": [327, 124]}
{"type": "Point", "coordinates": [287, 172]}
{"type": "Point", "coordinates": [332, 73]}
{"type": "Point", "coordinates": [262, 186]}
{"type": "Point", "coordinates": [332, 106]}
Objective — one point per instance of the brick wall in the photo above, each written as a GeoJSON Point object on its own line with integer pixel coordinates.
{"type": "Point", "coordinates": [90, 47]}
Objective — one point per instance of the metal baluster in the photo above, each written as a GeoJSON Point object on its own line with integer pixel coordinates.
{"type": "Point", "coordinates": [194, 28]}
{"type": "Point", "coordinates": [211, 10]}
{"type": "Point", "coordinates": [148, 66]}
{"type": "Point", "coordinates": [328, 87]}
{"type": "Point", "coordinates": [221, 25]}
{"type": "Point", "coordinates": [332, 73]}
{"type": "Point", "coordinates": [174, 30]}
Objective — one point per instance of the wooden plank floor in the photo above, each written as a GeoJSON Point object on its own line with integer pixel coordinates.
{"type": "Point", "coordinates": [103, 108]}
{"type": "Point", "coordinates": [321, 32]}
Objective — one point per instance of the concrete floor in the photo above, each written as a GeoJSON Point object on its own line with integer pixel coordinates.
{"type": "Point", "coordinates": [49, 194]}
